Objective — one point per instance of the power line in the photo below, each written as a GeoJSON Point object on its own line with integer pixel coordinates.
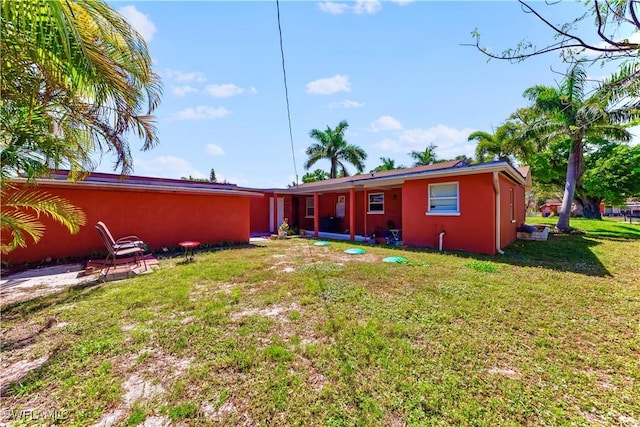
{"type": "Point", "coordinates": [286, 92]}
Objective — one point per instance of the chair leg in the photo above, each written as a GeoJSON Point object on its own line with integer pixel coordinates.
{"type": "Point", "coordinates": [106, 263]}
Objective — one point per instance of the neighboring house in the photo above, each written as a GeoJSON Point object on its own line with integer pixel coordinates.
{"type": "Point", "coordinates": [550, 206]}
{"type": "Point", "coordinates": [162, 212]}
{"type": "Point", "coordinates": [474, 208]}
{"type": "Point", "coordinates": [630, 207]}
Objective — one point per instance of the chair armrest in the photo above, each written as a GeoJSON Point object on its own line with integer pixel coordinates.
{"type": "Point", "coordinates": [128, 242]}
{"type": "Point", "coordinates": [131, 238]}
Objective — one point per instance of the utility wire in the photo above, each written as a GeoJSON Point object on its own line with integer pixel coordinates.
{"type": "Point", "coordinates": [286, 92]}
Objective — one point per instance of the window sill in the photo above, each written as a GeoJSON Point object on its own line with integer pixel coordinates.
{"type": "Point", "coordinates": [309, 217]}
{"type": "Point", "coordinates": [442, 213]}
{"type": "Point", "coordinates": [375, 213]}
{"type": "Point", "coordinates": [513, 221]}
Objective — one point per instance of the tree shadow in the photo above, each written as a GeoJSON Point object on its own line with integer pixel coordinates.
{"type": "Point", "coordinates": [67, 295]}
{"type": "Point", "coordinates": [561, 252]}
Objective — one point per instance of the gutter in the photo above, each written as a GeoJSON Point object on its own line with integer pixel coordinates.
{"type": "Point", "coordinates": [139, 187]}
{"type": "Point", "coordinates": [496, 189]}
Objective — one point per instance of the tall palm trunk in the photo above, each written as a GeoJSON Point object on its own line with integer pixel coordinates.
{"type": "Point", "coordinates": [334, 168]}
{"type": "Point", "coordinates": [575, 169]}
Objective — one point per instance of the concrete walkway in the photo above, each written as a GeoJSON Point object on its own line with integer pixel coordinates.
{"type": "Point", "coordinates": [39, 282]}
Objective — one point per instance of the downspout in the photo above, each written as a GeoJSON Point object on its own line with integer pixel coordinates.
{"type": "Point", "coordinates": [442, 233]}
{"type": "Point", "coordinates": [496, 189]}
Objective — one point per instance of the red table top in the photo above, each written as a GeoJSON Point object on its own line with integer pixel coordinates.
{"type": "Point", "coordinates": [189, 244]}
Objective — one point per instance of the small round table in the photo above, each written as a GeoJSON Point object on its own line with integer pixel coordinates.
{"type": "Point", "coordinates": [188, 246]}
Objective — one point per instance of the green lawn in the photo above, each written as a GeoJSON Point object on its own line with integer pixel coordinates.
{"type": "Point", "coordinates": [287, 333]}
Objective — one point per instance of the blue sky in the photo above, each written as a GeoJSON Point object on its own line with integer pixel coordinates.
{"type": "Point", "coordinates": [395, 70]}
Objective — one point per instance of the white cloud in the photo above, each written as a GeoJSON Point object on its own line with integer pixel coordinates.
{"type": "Point", "coordinates": [385, 123]}
{"type": "Point", "coordinates": [368, 7]}
{"type": "Point", "coordinates": [329, 85]}
{"type": "Point", "coordinates": [451, 142]}
{"type": "Point", "coordinates": [185, 77]}
{"type": "Point", "coordinates": [200, 112]}
{"type": "Point", "coordinates": [333, 8]}
{"type": "Point", "coordinates": [224, 90]}
{"type": "Point", "coordinates": [347, 103]}
{"type": "Point", "coordinates": [139, 21]}
{"type": "Point", "coordinates": [183, 90]}
{"type": "Point", "coordinates": [166, 167]}
{"type": "Point", "coordinates": [361, 7]}
{"type": "Point", "coordinates": [214, 150]}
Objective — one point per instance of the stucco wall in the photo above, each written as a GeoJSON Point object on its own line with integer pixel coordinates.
{"type": "Point", "coordinates": [259, 214]}
{"type": "Point", "coordinates": [508, 225]}
{"type": "Point", "coordinates": [159, 219]}
{"type": "Point", "coordinates": [473, 230]}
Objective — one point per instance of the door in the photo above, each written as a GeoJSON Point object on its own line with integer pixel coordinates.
{"type": "Point", "coordinates": [280, 218]}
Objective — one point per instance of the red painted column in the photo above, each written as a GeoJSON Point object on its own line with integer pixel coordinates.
{"type": "Point", "coordinates": [316, 214]}
{"type": "Point", "coordinates": [352, 213]}
{"type": "Point", "coordinates": [366, 206]}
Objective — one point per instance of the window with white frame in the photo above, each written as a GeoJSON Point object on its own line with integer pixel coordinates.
{"type": "Point", "coordinates": [444, 199]}
{"type": "Point", "coordinates": [309, 211]}
{"type": "Point", "coordinates": [376, 203]}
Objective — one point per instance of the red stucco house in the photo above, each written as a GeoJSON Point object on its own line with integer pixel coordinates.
{"type": "Point", "coordinates": [449, 205]}
{"type": "Point", "coordinates": [162, 212]}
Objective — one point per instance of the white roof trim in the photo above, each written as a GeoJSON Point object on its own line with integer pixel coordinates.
{"type": "Point", "coordinates": [140, 187]}
{"type": "Point", "coordinates": [395, 180]}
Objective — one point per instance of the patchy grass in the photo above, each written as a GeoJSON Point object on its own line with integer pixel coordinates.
{"type": "Point", "coordinates": [289, 333]}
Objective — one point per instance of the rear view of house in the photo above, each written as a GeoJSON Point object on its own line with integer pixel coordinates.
{"type": "Point", "coordinates": [449, 205]}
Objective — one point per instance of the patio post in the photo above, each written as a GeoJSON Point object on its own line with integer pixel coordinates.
{"type": "Point", "coordinates": [275, 213]}
{"type": "Point", "coordinates": [352, 213]}
{"type": "Point", "coordinates": [366, 206]}
{"type": "Point", "coordinates": [316, 215]}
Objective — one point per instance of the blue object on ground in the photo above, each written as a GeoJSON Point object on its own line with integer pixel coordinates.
{"type": "Point", "coordinates": [321, 243]}
{"type": "Point", "coordinates": [354, 251]}
{"type": "Point", "coordinates": [398, 259]}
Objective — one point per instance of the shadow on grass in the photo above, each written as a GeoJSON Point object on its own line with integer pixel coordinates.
{"type": "Point", "coordinates": [622, 232]}
{"type": "Point", "coordinates": [70, 294]}
{"type": "Point", "coordinates": [562, 252]}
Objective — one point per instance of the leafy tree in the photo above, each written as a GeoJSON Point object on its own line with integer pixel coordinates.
{"type": "Point", "coordinates": [332, 146]}
{"type": "Point", "coordinates": [610, 18]}
{"type": "Point", "coordinates": [212, 176]}
{"type": "Point", "coordinates": [316, 175]}
{"type": "Point", "coordinates": [566, 114]}
{"type": "Point", "coordinates": [387, 164]}
{"type": "Point", "coordinates": [426, 157]}
{"type": "Point", "coordinates": [75, 79]}
{"type": "Point", "coordinates": [612, 174]}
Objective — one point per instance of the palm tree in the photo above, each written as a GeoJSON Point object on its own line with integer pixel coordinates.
{"type": "Point", "coordinates": [75, 79]}
{"type": "Point", "coordinates": [316, 175]}
{"type": "Point", "coordinates": [21, 211]}
{"type": "Point", "coordinates": [332, 146]}
{"type": "Point", "coordinates": [426, 157]}
{"type": "Point", "coordinates": [87, 72]}
{"type": "Point", "coordinates": [504, 144]}
{"type": "Point", "coordinates": [567, 112]}
{"type": "Point", "coordinates": [388, 164]}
